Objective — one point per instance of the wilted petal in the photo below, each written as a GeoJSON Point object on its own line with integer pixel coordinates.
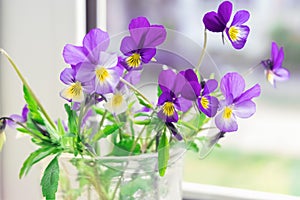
{"type": "Point", "coordinates": [74, 54]}
{"type": "Point", "coordinates": [240, 17]}
{"type": "Point", "coordinates": [244, 109]}
{"type": "Point", "coordinates": [249, 94]}
{"type": "Point", "coordinates": [232, 84]}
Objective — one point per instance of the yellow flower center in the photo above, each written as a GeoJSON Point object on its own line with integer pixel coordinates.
{"type": "Point", "coordinates": [168, 109]}
{"type": "Point", "coordinates": [75, 90]}
{"type": "Point", "coordinates": [233, 33]}
{"type": "Point", "coordinates": [204, 102]}
{"type": "Point", "coordinates": [117, 100]}
{"type": "Point", "coordinates": [102, 74]}
{"type": "Point", "coordinates": [227, 113]}
{"type": "Point", "coordinates": [134, 60]}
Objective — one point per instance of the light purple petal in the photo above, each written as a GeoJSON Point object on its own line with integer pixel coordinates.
{"type": "Point", "coordinates": [147, 54]}
{"type": "Point", "coordinates": [240, 17]}
{"type": "Point", "coordinates": [224, 12]}
{"type": "Point", "coordinates": [95, 41]}
{"type": "Point", "coordinates": [244, 109]}
{"type": "Point", "coordinates": [108, 60]}
{"type": "Point", "coordinates": [183, 104]}
{"type": "Point", "coordinates": [16, 118]}
{"type": "Point", "coordinates": [128, 46]}
{"type": "Point", "coordinates": [109, 85]}
{"type": "Point", "coordinates": [86, 72]}
{"type": "Point", "coordinates": [277, 62]}
{"type": "Point", "coordinates": [281, 74]}
{"type": "Point", "coordinates": [178, 84]}
{"type": "Point", "coordinates": [210, 86]}
{"type": "Point", "coordinates": [191, 90]}
{"type": "Point", "coordinates": [226, 125]}
{"type": "Point", "coordinates": [156, 35]}
{"type": "Point", "coordinates": [213, 23]}
{"type": "Point", "coordinates": [74, 54]}
{"type": "Point", "coordinates": [274, 51]}
{"type": "Point", "coordinates": [238, 40]}
{"type": "Point", "coordinates": [133, 77]}
{"type": "Point", "coordinates": [138, 28]}
{"type": "Point", "coordinates": [67, 76]}
{"type": "Point", "coordinates": [166, 79]}
{"type": "Point", "coordinates": [232, 84]}
{"type": "Point", "coordinates": [213, 106]}
{"type": "Point", "coordinates": [249, 94]}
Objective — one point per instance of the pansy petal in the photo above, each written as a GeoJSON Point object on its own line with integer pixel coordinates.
{"type": "Point", "coordinates": [183, 104]}
{"type": "Point", "coordinates": [277, 62]}
{"type": "Point", "coordinates": [210, 86]}
{"type": "Point", "coordinates": [281, 74]}
{"type": "Point", "coordinates": [213, 23]}
{"type": "Point", "coordinates": [138, 28]}
{"type": "Point", "coordinates": [274, 51]}
{"type": "Point", "coordinates": [232, 84]}
{"type": "Point", "coordinates": [109, 84]}
{"type": "Point", "coordinates": [156, 35]}
{"type": "Point", "coordinates": [69, 94]}
{"type": "Point", "coordinates": [244, 109]}
{"type": "Point", "coordinates": [67, 76]}
{"type": "Point", "coordinates": [128, 46]}
{"type": "Point", "coordinates": [249, 94]}
{"type": "Point", "coordinates": [173, 118]}
{"type": "Point", "coordinates": [240, 17]}
{"type": "Point", "coordinates": [86, 72]}
{"type": "Point", "coordinates": [224, 12]}
{"type": "Point", "coordinates": [190, 75]}
{"type": "Point", "coordinates": [108, 60]}
{"type": "Point", "coordinates": [178, 84]}
{"type": "Point", "coordinates": [191, 90]}
{"type": "Point", "coordinates": [208, 105]}
{"type": "Point", "coordinates": [238, 35]}
{"type": "Point", "coordinates": [166, 79]}
{"type": "Point", "coordinates": [95, 41]}
{"type": "Point", "coordinates": [226, 125]}
{"type": "Point", "coordinates": [147, 54]}
{"type": "Point", "coordinates": [74, 54]}
{"type": "Point", "coordinates": [165, 96]}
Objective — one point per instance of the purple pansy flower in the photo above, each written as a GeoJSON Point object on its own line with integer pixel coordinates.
{"type": "Point", "coordinates": [237, 103]}
{"type": "Point", "coordinates": [273, 66]}
{"type": "Point", "coordinates": [193, 91]}
{"type": "Point", "coordinates": [18, 118]}
{"type": "Point", "coordinates": [236, 32]}
{"type": "Point", "coordinates": [75, 90]}
{"type": "Point", "coordinates": [140, 46]}
{"type": "Point", "coordinates": [170, 100]}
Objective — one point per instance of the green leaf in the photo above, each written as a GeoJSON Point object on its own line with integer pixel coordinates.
{"type": "Point", "coordinates": [32, 106]}
{"type": "Point", "coordinates": [123, 148]}
{"type": "Point", "coordinates": [61, 128]}
{"type": "Point", "coordinates": [35, 157]}
{"type": "Point", "coordinates": [72, 119]}
{"type": "Point", "coordinates": [138, 184]}
{"type": "Point", "coordinates": [108, 129]}
{"type": "Point", "coordinates": [101, 111]}
{"type": "Point", "coordinates": [50, 179]}
{"type": "Point", "coordinates": [142, 101]}
{"type": "Point", "coordinates": [163, 154]}
{"type": "Point", "coordinates": [159, 91]}
{"type": "Point", "coordinates": [142, 122]}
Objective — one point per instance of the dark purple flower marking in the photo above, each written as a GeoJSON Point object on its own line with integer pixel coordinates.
{"type": "Point", "coordinates": [237, 103]}
{"type": "Point", "coordinates": [201, 95]}
{"type": "Point", "coordinates": [140, 46]}
{"type": "Point", "coordinates": [273, 66]}
{"type": "Point", "coordinates": [236, 32]}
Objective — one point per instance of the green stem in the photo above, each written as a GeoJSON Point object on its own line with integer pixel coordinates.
{"type": "Point", "coordinates": [136, 90]}
{"type": "Point", "coordinates": [203, 50]}
{"type": "Point", "coordinates": [28, 87]}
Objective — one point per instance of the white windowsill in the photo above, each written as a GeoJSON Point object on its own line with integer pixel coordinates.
{"type": "Point", "coordinates": [192, 191]}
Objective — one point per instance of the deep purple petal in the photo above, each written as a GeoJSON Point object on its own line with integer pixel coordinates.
{"type": "Point", "coordinates": [209, 108]}
{"type": "Point", "coordinates": [183, 104]}
{"type": "Point", "coordinates": [138, 22]}
{"type": "Point", "coordinates": [166, 79]}
{"type": "Point", "coordinates": [67, 76]}
{"type": "Point", "coordinates": [232, 84]}
{"type": "Point", "coordinates": [240, 17]}
{"type": "Point", "coordinates": [238, 35]}
{"type": "Point", "coordinates": [249, 94]}
{"type": "Point", "coordinates": [147, 54]}
{"type": "Point", "coordinates": [128, 46]}
{"type": "Point", "coordinates": [281, 74]}
{"type": "Point", "coordinates": [25, 111]}
{"type": "Point", "coordinates": [210, 86]}
{"type": "Point", "coordinates": [173, 118]}
{"type": "Point", "coordinates": [274, 51]}
{"type": "Point", "coordinates": [16, 118]}
{"type": "Point", "coordinates": [224, 12]}
{"type": "Point", "coordinates": [164, 97]}
{"type": "Point", "coordinates": [277, 62]}
{"type": "Point", "coordinates": [74, 54]}
{"type": "Point", "coordinates": [156, 35]}
{"type": "Point", "coordinates": [190, 75]}
{"type": "Point", "coordinates": [213, 23]}
{"type": "Point", "coordinates": [244, 109]}
{"type": "Point", "coordinates": [95, 41]}
{"type": "Point", "coordinates": [226, 125]}
{"type": "Point", "coordinates": [191, 90]}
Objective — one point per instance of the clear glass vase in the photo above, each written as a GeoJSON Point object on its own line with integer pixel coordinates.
{"type": "Point", "coordinates": [121, 178]}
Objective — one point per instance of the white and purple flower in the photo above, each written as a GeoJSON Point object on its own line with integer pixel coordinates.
{"type": "Point", "coordinates": [237, 103]}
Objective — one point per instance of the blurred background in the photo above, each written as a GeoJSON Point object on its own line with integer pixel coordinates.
{"type": "Point", "coordinates": [263, 155]}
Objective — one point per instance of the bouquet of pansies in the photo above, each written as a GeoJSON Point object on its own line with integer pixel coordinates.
{"type": "Point", "coordinates": [101, 87]}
